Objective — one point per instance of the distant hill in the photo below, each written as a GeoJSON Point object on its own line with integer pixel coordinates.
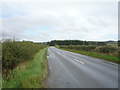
{"type": "Point", "coordinates": [111, 42]}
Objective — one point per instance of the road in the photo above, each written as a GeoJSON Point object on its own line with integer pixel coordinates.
{"type": "Point", "coordinates": [72, 70]}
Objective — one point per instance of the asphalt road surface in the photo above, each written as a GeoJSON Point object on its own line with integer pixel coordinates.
{"type": "Point", "coordinates": [72, 70]}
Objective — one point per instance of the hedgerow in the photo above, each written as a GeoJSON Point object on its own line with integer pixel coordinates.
{"type": "Point", "coordinates": [79, 47]}
{"type": "Point", "coordinates": [100, 49]}
{"type": "Point", "coordinates": [106, 49]}
{"type": "Point", "coordinates": [14, 52]}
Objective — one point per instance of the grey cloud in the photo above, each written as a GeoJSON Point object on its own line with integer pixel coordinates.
{"type": "Point", "coordinates": [68, 21]}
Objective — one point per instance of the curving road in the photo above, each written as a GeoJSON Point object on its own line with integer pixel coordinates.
{"type": "Point", "coordinates": [72, 70]}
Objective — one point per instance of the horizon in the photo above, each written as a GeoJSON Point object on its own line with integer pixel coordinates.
{"type": "Point", "coordinates": [59, 40]}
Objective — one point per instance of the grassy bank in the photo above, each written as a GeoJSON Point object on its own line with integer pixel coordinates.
{"type": "Point", "coordinates": [95, 54]}
{"type": "Point", "coordinates": [0, 81]}
{"type": "Point", "coordinates": [29, 74]}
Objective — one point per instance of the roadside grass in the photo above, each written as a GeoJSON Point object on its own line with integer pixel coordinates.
{"type": "Point", "coordinates": [29, 74]}
{"type": "Point", "coordinates": [0, 81]}
{"type": "Point", "coordinates": [96, 55]}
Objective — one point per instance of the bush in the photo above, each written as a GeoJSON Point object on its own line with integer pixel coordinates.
{"type": "Point", "coordinates": [85, 47]}
{"type": "Point", "coordinates": [14, 52]}
{"type": "Point", "coordinates": [79, 47]}
{"type": "Point", "coordinates": [106, 49]}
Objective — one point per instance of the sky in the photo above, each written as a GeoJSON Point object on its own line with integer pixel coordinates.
{"type": "Point", "coordinates": [46, 21]}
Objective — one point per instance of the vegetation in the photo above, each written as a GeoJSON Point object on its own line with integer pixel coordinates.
{"type": "Point", "coordinates": [79, 47]}
{"type": "Point", "coordinates": [77, 42]}
{"type": "Point", "coordinates": [24, 62]}
{"type": "Point", "coordinates": [119, 43]}
{"type": "Point", "coordinates": [106, 52]}
{"type": "Point", "coordinates": [107, 49]}
{"type": "Point", "coordinates": [23, 54]}
{"type": "Point", "coordinates": [14, 52]}
{"type": "Point", "coordinates": [29, 74]}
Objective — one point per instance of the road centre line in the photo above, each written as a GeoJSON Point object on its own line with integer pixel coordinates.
{"type": "Point", "coordinates": [79, 61]}
{"type": "Point", "coordinates": [47, 56]}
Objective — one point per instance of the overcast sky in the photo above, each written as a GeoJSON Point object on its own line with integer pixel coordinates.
{"type": "Point", "coordinates": [44, 21]}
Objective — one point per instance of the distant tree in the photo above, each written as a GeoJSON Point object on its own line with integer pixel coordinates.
{"type": "Point", "coordinates": [74, 42]}
{"type": "Point", "coordinates": [101, 43]}
{"type": "Point", "coordinates": [118, 43]}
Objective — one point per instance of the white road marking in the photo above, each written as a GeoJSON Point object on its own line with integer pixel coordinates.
{"type": "Point", "coordinates": [79, 61]}
{"type": "Point", "coordinates": [59, 53]}
{"type": "Point", "coordinates": [47, 56]}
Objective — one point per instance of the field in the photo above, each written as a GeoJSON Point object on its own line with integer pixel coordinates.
{"type": "Point", "coordinates": [23, 64]}
{"type": "Point", "coordinates": [106, 52]}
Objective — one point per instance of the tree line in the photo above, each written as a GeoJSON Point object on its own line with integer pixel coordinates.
{"type": "Point", "coordinates": [119, 43]}
{"type": "Point", "coordinates": [77, 42]}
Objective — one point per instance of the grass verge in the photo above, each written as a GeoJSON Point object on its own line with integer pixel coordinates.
{"type": "Point", "coordinates": [29, 74]}
{"type": "Point", "coordinates": [0, 81]}
{"type": "Point", "coordinates": [96, 55]}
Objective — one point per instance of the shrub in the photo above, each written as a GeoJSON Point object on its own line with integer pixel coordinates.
{"type": "Point", "coordinates": [106, 49]}
{"type": "Point", "coordinates": [79, 47]}
{"type": "Point", "coordinates": [14, 52]}
{"type": "Point", "coordinates": [85, 47]}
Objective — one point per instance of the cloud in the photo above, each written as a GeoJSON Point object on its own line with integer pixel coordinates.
{"type": "Point", "coordinates": [84, 21]}
{"type": "Point", "coordinates": [59, 1]}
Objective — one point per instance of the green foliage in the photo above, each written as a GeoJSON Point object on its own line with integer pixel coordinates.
{"type": "Point", "coordinates": [100, 49]}
{"type": "Point", "coordinates": [75, 42]}
{"type": "Point", "coordinates": [79, 47]}
{"type": "Point", "coordinates": [119, 43]}
{"type": "Point", "coordinates": [96, 55]}
{"type": "Point", "coordinates": [107, 52]}
{"type": "Point", "coordinates": [29, 74]}
{"type": "Point", "coordinates": [14, 52]}
{"type": "Point", "coordinates": [106, 49]}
